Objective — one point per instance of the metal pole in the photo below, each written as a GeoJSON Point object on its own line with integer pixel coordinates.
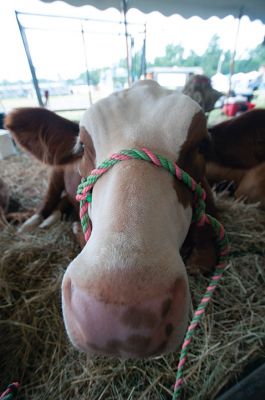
{"type": "Point", "coordinates": [87, 73]}
{"type": "Point", "coordinates": [143, 58]}
{"type": "Point", "coordinates": [128, 53]}
{"type": "Point", "coordinates": [232, 62]}
{"type": "Point", "coordinates": [31, 66]}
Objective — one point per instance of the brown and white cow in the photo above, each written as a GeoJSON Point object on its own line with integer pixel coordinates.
{"type": "Point", "coordinates": [237, 154]}
{"type": "Point", "coordinates": [127, 293]}
{"type": "Point", "coordinates": [50, 138]}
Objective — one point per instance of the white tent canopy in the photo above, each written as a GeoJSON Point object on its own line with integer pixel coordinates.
{"type": "Point", "coordinates": [254, 9]}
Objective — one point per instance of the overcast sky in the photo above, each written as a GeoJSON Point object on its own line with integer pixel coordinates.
{"type": "Point", "coordinates": [57, 47]}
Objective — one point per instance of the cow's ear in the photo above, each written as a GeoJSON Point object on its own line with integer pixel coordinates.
{"type": "Point", "coordinates": [44, 134]}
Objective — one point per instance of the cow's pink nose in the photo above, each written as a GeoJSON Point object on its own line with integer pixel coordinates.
{"type": "Point", "coordinates": [154, 327]}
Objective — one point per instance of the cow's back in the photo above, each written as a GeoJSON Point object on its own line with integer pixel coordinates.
{"type": "Point", "coordinates": [239, 142]}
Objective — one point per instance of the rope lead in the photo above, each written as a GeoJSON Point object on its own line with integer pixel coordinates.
{"type": "Point", "coordinates": [11, 392]}
{"type": "Point", "coordinates": [84, 195]}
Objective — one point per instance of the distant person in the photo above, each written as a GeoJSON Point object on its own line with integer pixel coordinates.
{"type": "Point", "coordinates": [2, 115]}
{"type": "Point", "coordinates": [46, 98]}
{"type": "Point", "coordinates": [259, 82]}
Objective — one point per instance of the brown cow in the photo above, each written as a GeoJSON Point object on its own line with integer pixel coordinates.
{"type": "Point", "coordinates": [127, 294]}
{"type": "Point", "coordinates": [237, 154]}
{"type": "Point", "coordinates": [200, 89]}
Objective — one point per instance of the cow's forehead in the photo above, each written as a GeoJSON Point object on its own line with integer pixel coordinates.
{"type": "Point", "coordinates": [144, 115]}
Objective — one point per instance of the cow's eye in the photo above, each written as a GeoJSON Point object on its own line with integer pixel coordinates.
{"type": "Point", "coordinates": [81, 148]}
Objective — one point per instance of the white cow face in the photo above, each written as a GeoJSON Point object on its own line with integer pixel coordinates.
{"type": "Point", "coordinates": [126, 294]}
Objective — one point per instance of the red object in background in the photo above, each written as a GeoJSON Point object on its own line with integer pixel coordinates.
{"type": "Point", "coordinates": [232, 109]}
{"type": "Point", "coordinates": [251, 105]}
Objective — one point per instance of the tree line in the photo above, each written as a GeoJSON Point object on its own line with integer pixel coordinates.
{"type": "Point", "coordinates": [213, 60]}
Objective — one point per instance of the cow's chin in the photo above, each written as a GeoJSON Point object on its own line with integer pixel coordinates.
{"type": "Point", "coordinates": [142, 329]}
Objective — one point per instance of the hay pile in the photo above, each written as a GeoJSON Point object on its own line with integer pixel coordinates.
{"type": "Point", "coordinates": [33, 344]}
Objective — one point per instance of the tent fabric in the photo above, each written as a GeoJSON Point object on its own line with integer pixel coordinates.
{"type": "Point", "coordinates": [254, 9]}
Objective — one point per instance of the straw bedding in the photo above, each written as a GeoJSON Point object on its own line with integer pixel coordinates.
{"type": "Point", "coordinates": [34, 348]}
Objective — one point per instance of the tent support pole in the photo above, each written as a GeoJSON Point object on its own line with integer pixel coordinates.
{"type": "Point", "coordinates": [128, 53]}
{"type": "Point", "coordinates": [31, 66]}
{"type": "Point", "coordinates": [86, 63]}
{"type": "Point", "coordinates": [232, 62]}
{"type": "Point", "coordinates": [143, 59]}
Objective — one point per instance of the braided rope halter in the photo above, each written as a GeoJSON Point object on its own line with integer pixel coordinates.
{"type": "Point", "coordinates": [84, 195]}
{"type": "Point", "coordinates": [11, 392]}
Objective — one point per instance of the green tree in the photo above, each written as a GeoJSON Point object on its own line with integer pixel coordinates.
{"type": "Point", "coordinates": [136, 64]}
{"type": "Point", "coordinates": [209, 61]}
{"type": "Point", "coordinates": [94, 77]}
{"type": "Point", "coordinates": [225, 67]}
{"type": "Point", "coordinates": [173, 57]}
{"type": "Point", "coordinates": [255, 59]}
{"type": "Point", "coordinates": [193, 60]}
{"type": "Point", "coordinates": [211, 56]}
